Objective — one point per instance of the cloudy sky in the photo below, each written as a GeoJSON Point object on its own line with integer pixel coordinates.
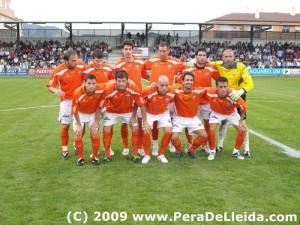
{"type": "Point", "coordinates": [193, 11]}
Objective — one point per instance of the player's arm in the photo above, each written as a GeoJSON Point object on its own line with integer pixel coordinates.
{"type": "Point", "coordinates": [56, 91]}
{"type": "Point", "coordinates": [95, 125]}
{"type": "Point", "coordinates": [78, 129]}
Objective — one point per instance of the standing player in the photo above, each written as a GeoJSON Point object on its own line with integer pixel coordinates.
{"type": "Point", "coordinates": [119, 97]}
{"type": "Point", "coordinates": [157, 101]}
{"type": "Point", "coordinates": [238, 79]}
{"type": "Point", "coordinates": [135, 68]}
{"type": "Point", "coordinates": [85, 110]}
{"type": "Point", "coordinates": [99, 68]}
{"type": "Point", "coordinates": [186, 103]}
{"type": "Point", "coordinates": [203, 75]}
{"type": "Point", "coordinates": [223, 108]}
{"type": "Point", "coordinates": [162, 64]}
{"type": "Point", "coordinates": [68, 77]}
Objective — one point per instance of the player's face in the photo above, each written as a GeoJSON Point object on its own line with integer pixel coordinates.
{"type": "Point", "coordinates": [127, 51]}
{"type": "Point", "coordinates": [228, 58]}
{"type": "Point", "coordinates": [188, 82]}
{"type": "Point", "coordinates": [201, 58]}
{"type": "Point", "coordinates": [222, 88]}
{"type": "Point", "coordinates": [90, 86]}
{"type": "Point", "coordinates": [97, 62]}
{"type": "Point", "coordinates": [72, 62]}
{"type": "Point", "coordinates": [121, 84]}
{"type": "Point", "coordinates": [163, 53]}
{"type": "Point", "coordinates": [163, 87]}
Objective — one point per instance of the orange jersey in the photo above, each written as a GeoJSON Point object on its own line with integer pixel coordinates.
{"type": "Point", "coordinates": [168, 68]}
{"type": "Point", "coordinates": [202, 78]}
{"type": "Point", "coordinates": [135, 70]}
{"type": "Point", "coordinates": [103, 75]}
{"type": "Point", "coordinates": [84, 103]}
{"type": "Point", "coordinates": [224, 106]}
{"type": "Point", "coordinates": [156, 103]}
{"type": "Point", "coordinates": [67, 79]}
{"type": "Point", "coordinates": [121, 102]}
{"type": "Point", "coordinates": [187, 104]}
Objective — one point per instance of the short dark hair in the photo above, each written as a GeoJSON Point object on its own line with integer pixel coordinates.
{"type": "Point", "coordinates": [221, 79]}
{"type": "Point", "coordinates": [90, 76]}
{"type": "Point", "coordinates": [97, 53]}
{"type": "Point", "coordinates": [164, 44]}
{"type": "Point", "coordinates": [187, 73]}
{"type": "Point", "coordinates": [121, 74]}
{"type": "Point", "coordinates": [201, 49]}
{"type": "Point", "coordinates": [68, 54]}
{"type": "Point", "coordinates": [127, 42]}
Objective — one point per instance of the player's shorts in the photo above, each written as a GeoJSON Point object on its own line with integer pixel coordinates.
{"type": "Point", "coordinates": [204, 111]}
{"type": "Point", "coordinates": [65, 116]}
{"type": "Point", "coordinates": [192, 124]}
{"type": "Point", "coordinates": [85, 118]}
{"type": "Point", "coordinates": [112, 118]}
{"type": "Point", "coordinates": [163, 120]}
{"type": "Point", "coordinates": [233, 118]}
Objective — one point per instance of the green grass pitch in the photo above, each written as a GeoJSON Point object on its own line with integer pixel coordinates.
{"type": "Point", "coordinates": [39, 188]}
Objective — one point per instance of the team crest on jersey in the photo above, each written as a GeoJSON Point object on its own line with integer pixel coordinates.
{"type": "Point", "coordinates": [233, 74]}
{"type": "Point", "coordinates": [167, 100]}
{"type": "Point", "coordinates": [105, 73]}
{"type": "Point", "coordinates": [193, 98]}
{"type": "Point", "coordinates": [227, 105]}
{"type": "Point", "coordinates": [206, 74]}
{"type": "Point", "coordinates": [169, 66]}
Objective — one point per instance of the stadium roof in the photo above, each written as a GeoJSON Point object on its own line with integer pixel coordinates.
{"type": "Point", "coordinates": [258, 17]}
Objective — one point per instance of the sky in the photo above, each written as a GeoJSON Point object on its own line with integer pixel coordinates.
{"type": "Point", "coordinates": [190, 11]}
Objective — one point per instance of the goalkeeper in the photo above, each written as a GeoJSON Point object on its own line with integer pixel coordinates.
{"type": "Point", "coordinates": [238, 79]}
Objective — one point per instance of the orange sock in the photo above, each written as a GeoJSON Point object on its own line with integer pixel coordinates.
{"type": "Point", "coordinates": [196, 143]}
{"type": "Point", "coordinates": [165, 142]}
{"type": "Point", "coordinates": [96, 145]}
{"type": "Point", "coordinates": [155, 131]}
{"type": "Point", "coordinates": [206, 127]}
{"type": "Point", "coordinates": [79, 147]}
{"type": "Point", "coordinates": [146, 143]}
{"type": "Point", "coordinates": [107, 143]}
{"type": "Point", "coordinates": [239, 140]}
{"type": "Point", "coordinates": [64, 136]}
{"type": "Point", "coordinates": [134, 141]}
{"type": "Point", "coordinates": [124, 134]}
{"type": "Point", "coordinates": [177, 145]}
{"type": "Point", "coordinates": [212, 140]}
{"type": "Point", "coordinates": [188, 137]}
{"type": "Point", "coordinates": [141, 133]}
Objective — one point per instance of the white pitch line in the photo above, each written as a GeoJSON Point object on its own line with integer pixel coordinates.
{"type": "Point", "coordinates": [34, 107]}
{"type": "Point", "coordinates": [285, 149]}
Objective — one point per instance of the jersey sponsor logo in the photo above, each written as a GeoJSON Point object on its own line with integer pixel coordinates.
{"type": "Point", "coordinates": [127, 95]}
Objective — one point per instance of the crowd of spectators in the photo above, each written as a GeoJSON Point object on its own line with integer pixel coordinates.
{"type": "Point", "coordinates": [272, 54]}
{"type": "Point", "coordinates": [44, 54]}
{"type": "Point", "coordinates": [48, 54]}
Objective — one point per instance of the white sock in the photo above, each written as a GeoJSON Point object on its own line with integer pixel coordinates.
{"type": "Point", "coordinates": [222, 133]}
{"type": "Point", "coordinates": [246, 142]}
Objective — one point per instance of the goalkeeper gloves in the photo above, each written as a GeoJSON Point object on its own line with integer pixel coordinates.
{"type": "Point", "coordinates": [191, 63]}
{"type": "Point", "coordinates": [241, 92]}
{"type": "Point", "coordinates": [234, 95]}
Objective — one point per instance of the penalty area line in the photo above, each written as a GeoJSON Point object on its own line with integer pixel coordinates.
{"type": "Point", "coordinates": [25, 108]}
{"type": "Point", "coordinates": [285, 149]}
